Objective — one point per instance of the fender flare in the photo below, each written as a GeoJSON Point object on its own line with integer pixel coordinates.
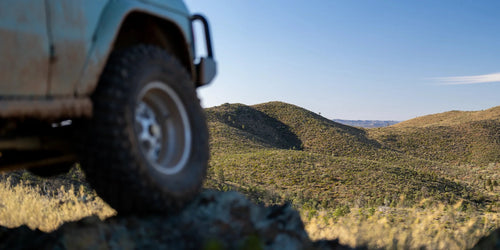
{"type": "Point", "coordinates": [110, 23]}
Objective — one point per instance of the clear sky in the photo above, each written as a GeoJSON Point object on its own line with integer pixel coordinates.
{"type": "Point", "coordinates": [386, 60]}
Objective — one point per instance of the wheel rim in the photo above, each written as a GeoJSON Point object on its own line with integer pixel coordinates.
{"type": "Point", "coordinates": [162, 128]}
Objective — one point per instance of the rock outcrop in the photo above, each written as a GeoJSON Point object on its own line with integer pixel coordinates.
{"type": "Point", "coordinates": [214, 220]}
{"type": "Point", "coordinates": [491, 241]}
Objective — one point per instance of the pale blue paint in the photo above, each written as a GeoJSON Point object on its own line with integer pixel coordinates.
{"type": "Point", "coordinates": [59, 47]}
{"type": "Point", "coordinates": [113, 15]}
{"type": "Point", "coordinates": [24, 48]}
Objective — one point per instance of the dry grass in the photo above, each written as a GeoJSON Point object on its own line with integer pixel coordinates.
{"type": "Point", "coordinates": [26, 205]}
{"type": "Point", "coordinates": [437, 227]}
{"type": "Point", "coordinates": [452, 118]}
{"type": "Point", "coordinates": [386, 188]}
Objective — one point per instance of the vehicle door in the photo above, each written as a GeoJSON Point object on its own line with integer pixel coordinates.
{"type": "Point", "coordinates": [72, 25]}
{"type": "Point", "coordinates": [24, 48]}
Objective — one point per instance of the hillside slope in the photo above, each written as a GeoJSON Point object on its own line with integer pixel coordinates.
{"type": "Point", "coordinates": [452, 118]}
{"type": "Point", "coordinates": [280, 151]}
{"type": "Point", "coordinates": [238, 126]}
{"type": "Point", "coordinates": [456, 137]}
{"type": "Point", "coordinates": [319, 134]}
{"type": "Point", "coordinates": [284, 126]}
{"type": "Point", "coordinates": [396, 187]}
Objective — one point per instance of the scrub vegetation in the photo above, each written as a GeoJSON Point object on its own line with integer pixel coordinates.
{"type": "Point", "coordinates": [430, 182]}
{"type": "Point", "coordinates": [45, 204]}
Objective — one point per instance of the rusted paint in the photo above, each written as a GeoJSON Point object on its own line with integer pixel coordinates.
{"type": "Point", "coordinates": [70, 158]}
{"type": "Point", "coordinates": [82, 35]}
{"type": "Point", "coordinates": [34, 143]}
{"type": "Point", "coordinates": [46, 108]}
{"type": "Point", "coordinates": [109, 25]}
{"type": "Point", "coordinates": [72, 25]}
{"type": "Point", "coordinates": [28, 143]}
{"type": "Point", "coordinates": [67, 66]}
{"type": "Point", "coordinates": [24, 48]}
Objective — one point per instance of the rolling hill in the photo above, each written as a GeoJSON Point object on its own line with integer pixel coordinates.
{"type": "Point", "coordinates": [283, 126]}
{"type": "Point", "coordinates": [456, 137]}
{"type": "Point", "coordinates": [276, 151]}
{"type": "Point", "coordinates": [452, 118]}
{"type": "Point", "coordinates": [428, 183]}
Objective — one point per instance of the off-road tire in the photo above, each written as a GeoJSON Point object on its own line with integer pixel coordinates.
{"type": "Point", "coordinates": [115, 157]}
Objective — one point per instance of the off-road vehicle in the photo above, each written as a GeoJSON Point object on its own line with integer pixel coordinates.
{"type": "Point", "coordinates": [110, 84]}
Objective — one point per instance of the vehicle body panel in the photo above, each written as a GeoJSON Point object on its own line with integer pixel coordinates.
{"type": "Point", "coordinates": [173, 5]}
{"type": "Point", "coordinates": [72, 25]}
{"type": "Point", "coordinates": [113, 16]}
{"type": "Point", "coordinates": [53, 51]}
{"type": "Point", "coordinates": [24, 48]}
{"type": "Point", "coordinates": [62, 46]}
{"type": "Point", "coordinates": [47, 109]}
{"type": "Point", "coordinates": [52, 55]}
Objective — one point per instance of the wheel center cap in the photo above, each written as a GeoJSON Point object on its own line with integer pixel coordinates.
{"type": "Point", "coordinates": [154, 130]}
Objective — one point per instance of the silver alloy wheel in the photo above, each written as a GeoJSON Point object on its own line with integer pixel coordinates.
{"type": "Point", "coordinates": [162, 128]}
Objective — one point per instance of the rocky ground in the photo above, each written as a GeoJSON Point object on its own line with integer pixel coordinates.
{"type": "Point", "coordinates": [214, 220]}
{"type": "Point", "coordinates": [489, 242]}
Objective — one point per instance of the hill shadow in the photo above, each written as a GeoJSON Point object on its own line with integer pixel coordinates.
{"type": "Point", "coordinates": [257, 123]}
{"type": "Point", "coordinates": [319, 133]}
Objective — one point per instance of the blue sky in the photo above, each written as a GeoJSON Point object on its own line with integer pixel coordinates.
{"type": "Point", "coordinates": [387, 60]}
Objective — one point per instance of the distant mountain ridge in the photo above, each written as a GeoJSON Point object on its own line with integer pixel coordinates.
{"type": "Point", "coordinates": [366, 123]}
{"type": "Point", "coordinates": [284, 150]}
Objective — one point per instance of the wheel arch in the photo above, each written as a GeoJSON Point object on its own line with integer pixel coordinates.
{"type": "Point", "coordinates": [121, 26]}
{"type": "Point", "coordinates": [144, 28]}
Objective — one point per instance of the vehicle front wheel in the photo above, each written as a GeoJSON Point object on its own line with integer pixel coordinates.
{"type": "Point", "coordinates": [146, 147]}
